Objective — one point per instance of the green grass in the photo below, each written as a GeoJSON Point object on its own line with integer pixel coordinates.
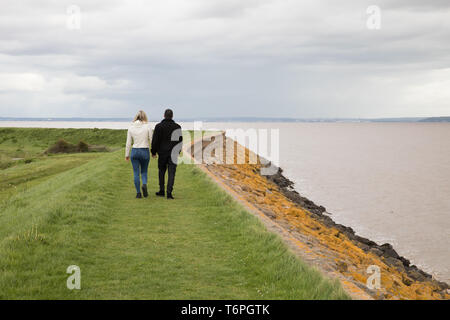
{"type": "Point", "coordinates": [202, 245]}
{"type": "Point", "coordinates": [24, 175]}
{"type": "Point", "coordinates": [30, 143]}
{"type": "Point", "coordinates": [42, 138]}
{"type": "Point", "coordinates": [25, 164]}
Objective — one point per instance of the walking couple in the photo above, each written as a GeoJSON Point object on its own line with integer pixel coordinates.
{"type": "Point", "coordinates": [166, 142]}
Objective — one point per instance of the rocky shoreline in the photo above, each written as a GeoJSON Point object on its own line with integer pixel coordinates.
{"type": "Point", "coordinates": [384, 250]}
{"type": "Point", "coordinates": [310, 232]}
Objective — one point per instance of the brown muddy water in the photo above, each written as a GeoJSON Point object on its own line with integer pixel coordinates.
{"type": "Point", "coordinates": [390, 182]}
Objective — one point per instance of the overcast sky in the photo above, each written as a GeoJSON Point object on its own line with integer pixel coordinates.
{"type": "Point", "coordinates": [222, 58]}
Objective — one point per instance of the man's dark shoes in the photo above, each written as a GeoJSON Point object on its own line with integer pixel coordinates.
{"type": "Point", "coordinates": [169, 196]}
{"type": "Point", "coordinates": [160, 194]}
{"type": "Point", "coordinates": [144, 190]}
{"type": "Point", "coordinates": [138, 196]}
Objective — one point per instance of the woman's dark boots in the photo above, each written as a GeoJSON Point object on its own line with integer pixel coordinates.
{"type": "Point", "coordinates": [144, 190]}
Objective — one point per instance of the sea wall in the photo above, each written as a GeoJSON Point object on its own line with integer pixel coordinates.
{"type": "Point", "coordinates": [333, 248]}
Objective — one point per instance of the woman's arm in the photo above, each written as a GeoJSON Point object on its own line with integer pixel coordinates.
{"type": "Point", "coordinates": [128, 146]}
{"type": "Point", "coordinates": [150, 135]}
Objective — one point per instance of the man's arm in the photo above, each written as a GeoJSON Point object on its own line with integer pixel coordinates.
{"type": "Point", "coordinates": [177, 139]}
{"type": "Point", "coordinates": [155, 140]}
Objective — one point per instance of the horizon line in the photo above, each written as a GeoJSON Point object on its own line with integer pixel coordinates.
{"type": "Point", "coordinates": [237, 118]}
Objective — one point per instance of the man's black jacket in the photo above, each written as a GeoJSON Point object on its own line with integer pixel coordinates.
{"type": "Point", "coordinates": [164, 138]}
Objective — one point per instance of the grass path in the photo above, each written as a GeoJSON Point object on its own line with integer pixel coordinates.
{"type": "Point", "coordinates": [21, 177]}
{"type": "Point", "coordinates": [202, 245]}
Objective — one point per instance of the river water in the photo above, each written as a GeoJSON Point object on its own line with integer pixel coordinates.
{"type": "Point", "coordinates": [390, 182]}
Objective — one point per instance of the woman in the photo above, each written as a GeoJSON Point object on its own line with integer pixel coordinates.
{"type": "Point", "coordinates": [140, 135]}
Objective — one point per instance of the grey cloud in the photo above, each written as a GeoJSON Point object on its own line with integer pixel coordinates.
{"type": "Point", "coordinates": [226, 9]}
{"type": "Point", "coordinates": [415, 4]}
{"type": "Point", "coordinates": [226, 58]}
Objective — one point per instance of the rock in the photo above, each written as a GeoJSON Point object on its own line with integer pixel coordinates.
{"type": "Point", "coordinates": [293, 195]}
{"type": "Point", "coordinates": [376, 251]}
{"type": "Point", "coordinates": [363, 246]}
{"type": "Point", "coordinates": [365, 241]}
{"type": "Point", "coordinates": [287, 188]}
{"type": "Point", "coordinates": [407, 281]}
{"type": "Point", "coordinates": [344, 229]}
{"type": "Point", "coordinates": [416, 275]}
{"type": "Point", "coordinates": [342, 266]}
{"type": "Point", "coordinates": [405, 261]}
{"type": "Point", "coordinates": [388, 251]}
{"type": "Point", "coordinates": [394, 262]}
{"type": "Point", "coordinates": [442, 285]}
{"type": "Point", "coordinates": [426, 275]}
{"type": "Point", "coordinates": [413, 272]}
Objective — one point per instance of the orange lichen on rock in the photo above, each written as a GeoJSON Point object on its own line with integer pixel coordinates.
{"type": "Point", "coordinates": [330, 249]}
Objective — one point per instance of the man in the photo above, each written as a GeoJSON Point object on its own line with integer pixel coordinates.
{"type": "Point", "coordinates": [166, 142]}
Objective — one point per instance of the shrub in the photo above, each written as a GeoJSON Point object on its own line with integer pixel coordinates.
{"type": "Point", "coordinates": [82, 147]}
{"type": "Point", "coordinates": [62, 146]}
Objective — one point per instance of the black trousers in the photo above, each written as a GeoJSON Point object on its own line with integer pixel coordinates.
{"type": "Point", "coordinates": [165, 163]}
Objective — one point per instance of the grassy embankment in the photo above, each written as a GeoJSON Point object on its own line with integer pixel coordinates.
{"type": "Point", "coordinates": [27, 146]}
{"type": "Point", "coordinates": [80, 210]}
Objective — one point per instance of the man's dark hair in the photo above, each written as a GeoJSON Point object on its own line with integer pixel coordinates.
{"type": "Point", "coordinates": [168, 114]}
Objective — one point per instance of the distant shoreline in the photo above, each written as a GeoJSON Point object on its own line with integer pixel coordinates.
{"type": "Point", "coordinates": [240, 119]}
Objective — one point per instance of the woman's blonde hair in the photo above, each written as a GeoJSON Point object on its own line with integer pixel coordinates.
{"type": "Point", "coordinates": [141, 116]}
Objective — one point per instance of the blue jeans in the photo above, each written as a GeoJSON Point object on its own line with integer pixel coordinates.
{"type": "Point", "coordinates": [140, 157]}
